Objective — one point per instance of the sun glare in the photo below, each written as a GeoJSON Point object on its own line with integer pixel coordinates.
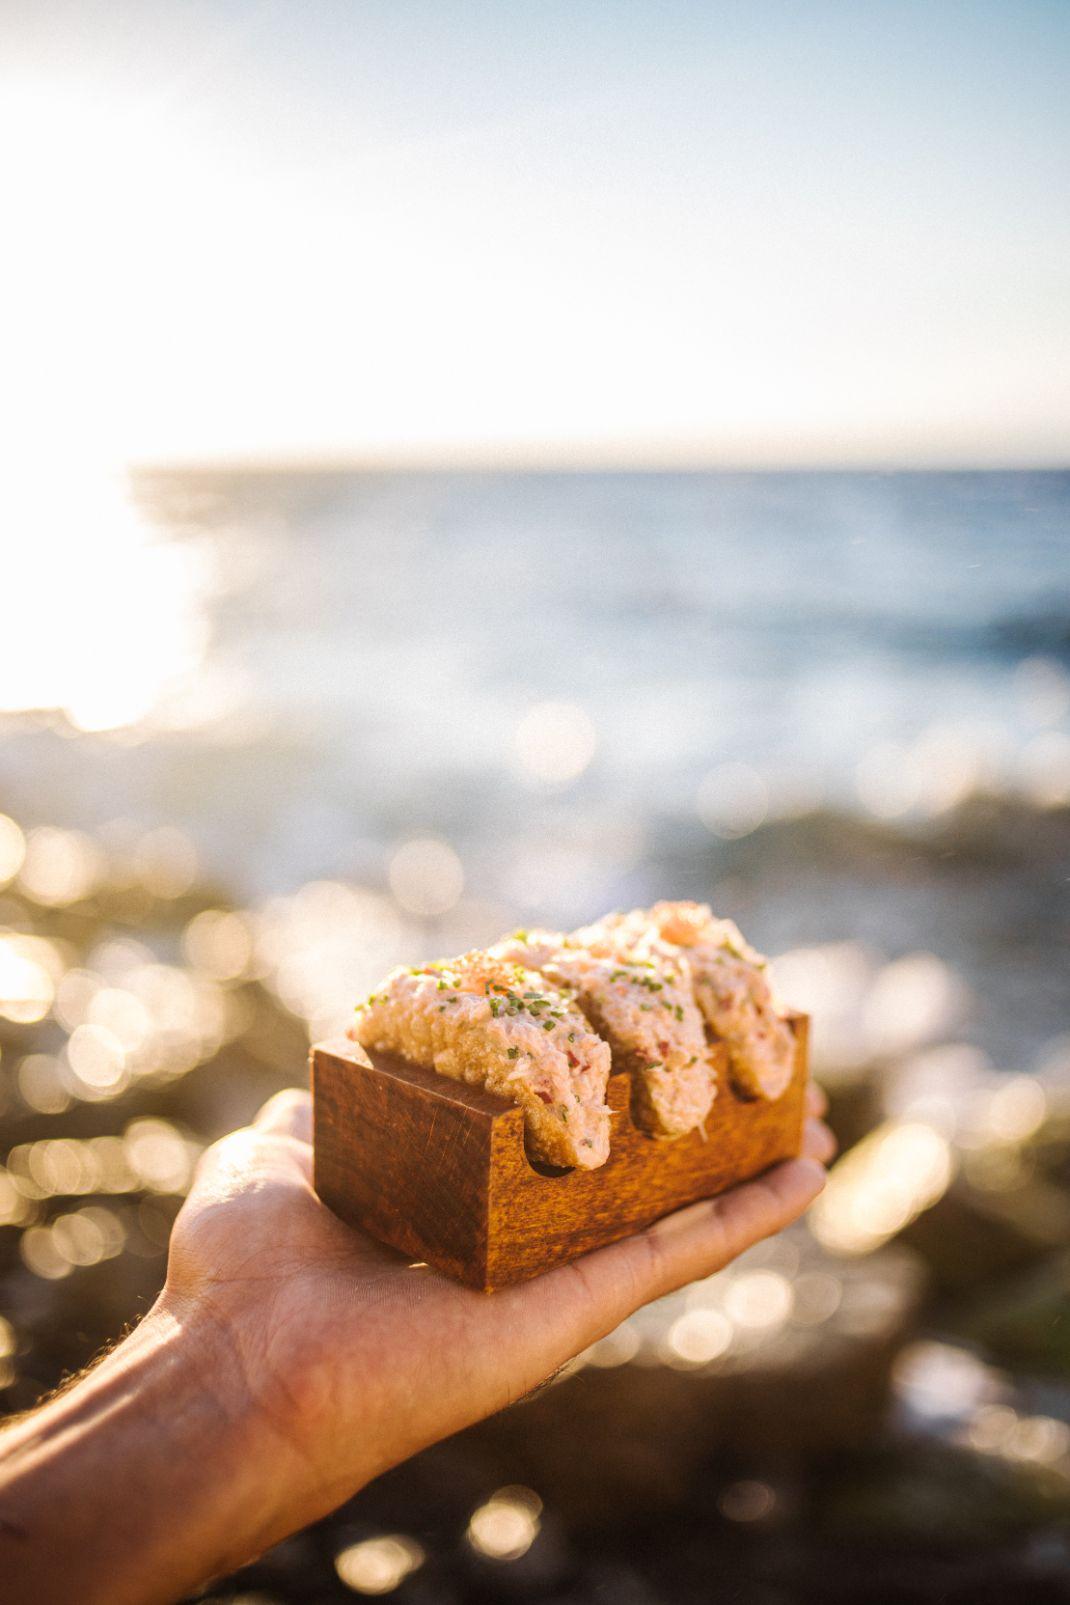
{"type": "Point", "coordinates": [109, 616]}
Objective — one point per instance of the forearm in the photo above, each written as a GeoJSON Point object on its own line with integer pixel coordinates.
{"type": "Point", "coordinates": [148, 1476]}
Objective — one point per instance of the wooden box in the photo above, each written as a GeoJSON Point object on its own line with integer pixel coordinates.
{"type": "Point", "coordinates": [438, 1169]}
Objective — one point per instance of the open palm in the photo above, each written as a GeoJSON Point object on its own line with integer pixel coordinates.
{"type": "Point", "coordinates": [357, 1358]}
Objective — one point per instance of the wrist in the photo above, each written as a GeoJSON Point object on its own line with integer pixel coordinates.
{"type": "Point", "coordinates": [238, 1464]}
{"type": "Point", "coordinates": [165, 1470]}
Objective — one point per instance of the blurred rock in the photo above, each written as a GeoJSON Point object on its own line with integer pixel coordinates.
{"type": "Point", "coordinates": [972, 1236]}
{"type": "Point", "coordinates": [940, 1497]}
{"type": "Point", "coordinates": [1025, 1323]}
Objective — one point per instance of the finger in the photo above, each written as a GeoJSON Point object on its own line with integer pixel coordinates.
{"type": "Point", "coordinates": [689, 1244]}
{"type": "Point", "coordinates": [288, 1113]}
{"type": "Point", "coordinates": [818, 1141]}
{"type": "Point", "coordinates": [704, 1237]}
{"type": "Point", "coordinates": [817, 1103]}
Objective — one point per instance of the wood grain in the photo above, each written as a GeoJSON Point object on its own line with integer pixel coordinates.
{"type": "Point", "coordinates": [438, 1169]}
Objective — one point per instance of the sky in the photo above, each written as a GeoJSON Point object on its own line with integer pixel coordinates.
{"type": "Point", "coordinates": [637, 232]}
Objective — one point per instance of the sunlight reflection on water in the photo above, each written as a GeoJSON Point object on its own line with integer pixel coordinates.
{"type": "Point", "coordinates": [111, 616]}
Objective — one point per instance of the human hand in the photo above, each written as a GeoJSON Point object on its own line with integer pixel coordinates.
{"type": "Point", "coordinates": [360, 1358]}
{"type": "Point", "coordinates": [291, 1359]}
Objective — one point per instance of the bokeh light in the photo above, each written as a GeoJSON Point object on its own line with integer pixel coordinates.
{"type": "Point", "coordinates": [747, 1501]}
{"type": "Point", "coordinates": [507, 1525]}
{"type": "Point", "coordinates": [943, 1380]}
{"type": "Point", "coordinates": [379, 1565]}
{"type": "Point", "coordinates": [697, 1337]}
{"type": "Point", "coordinates": [29, 969]}
{"type": "Point", "coordinates": [759, 1299]}
{"type": "Point", "coordinates": [326, 946]}
{"type": "Point", "coordinates": [12, 849]}
{"type": "Point", "coordinates": [909, 1001]}
{"type": "Point", "coordinates": [733, 800]}
{"type": "Point", "coordinates": [60, 866]}
{"type": "Point", "coordinates": [426, 877]}
{"type": "Point", "coordinates": [883, 1183]}
{"type": "Point", "coordinates": [555, 742]}
{"type": "Point", "coordinates": [220, 943]}
{"type": "Point", "coordinates": [96, 1059]}
{"type": "Point", "coordinates": [40, 1083]}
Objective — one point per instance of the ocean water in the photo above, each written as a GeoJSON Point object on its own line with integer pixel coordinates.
{"type": "Point", "coordinates": [717, 650]}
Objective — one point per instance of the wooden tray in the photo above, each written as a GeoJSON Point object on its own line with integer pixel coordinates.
{"type": "Point", "coordinates": [438, 1169]}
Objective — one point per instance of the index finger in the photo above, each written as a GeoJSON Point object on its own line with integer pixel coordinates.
{"type": "Point", "coordinates": [287, 1114]}
{"type": "Point", "coordinates": [706, 1236]}
{"type": "Point", "coordinates": [592, 1295]}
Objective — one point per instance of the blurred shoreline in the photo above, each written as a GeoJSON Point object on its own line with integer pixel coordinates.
{"type": "Point", "coordinates": [838, 704]}
{"type": "Point", "coordinates": [312, 666]}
